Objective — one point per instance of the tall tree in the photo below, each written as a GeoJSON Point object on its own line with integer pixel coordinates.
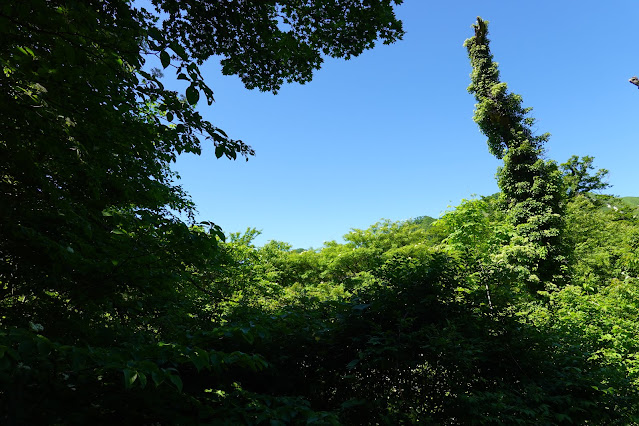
{"type": "Point", "coordinates": [531, 187]}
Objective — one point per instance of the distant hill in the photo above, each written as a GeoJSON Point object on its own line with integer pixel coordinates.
{"type": "Point", "coordinates": [633, 201]}
{"type": "Point", "coordinates": [620, 202]}
{"type": "Point", "coordinates": [423, 221]}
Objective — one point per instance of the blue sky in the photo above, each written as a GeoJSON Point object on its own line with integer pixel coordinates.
{"type": "Point", "coordinates": [390, 134]}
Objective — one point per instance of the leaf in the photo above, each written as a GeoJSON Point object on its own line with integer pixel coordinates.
{"type": "Point", "coordinates": [9, 351]}
{"type": "Point", "coordinates": [142, 378]}
{"type": "Point", "coordinates": [169, 116]}
{"type": "Point", "coordinates": [216, 362]}
{"type": "Point", "coordinates": [129, 377]}
{"type": "Point", "coordinates": [165, 58]}
{"type": "Point", "coordinates": [192, 95]}
{"type": "Point", "coordinates": [179, 50]}
{"type": "Point", "coordinates": [200, 358]}
{"type": "Point", "coordinates": [44, 346]}
{"type": "Point", "coordinates": [219, 233]}
{"type": "Point", "coordinates": [209, 95]}
{"type": "Point", "coordinates": [219, 151]}
{"type": "Point", "coordinates": [247, 335]}
{"type": "Point", "coordinates": [177, 381]}
{"type": "Point", "coordinates": [156, 34]}
{"type": "Point", "coordinates": [26, 51]}
{"type": "Point", "coordinates": [361, 307]}
{"type": "Point", "coordinates": [352, 364]}
{"type": "Point", "coordinates": [157, 377]}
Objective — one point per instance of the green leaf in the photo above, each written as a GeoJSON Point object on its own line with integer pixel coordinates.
{"type": "Point", "coordinates": [192, 95]}
{"type": "Point", "coordinates": [169, 116]}
{"type": "Point", "coordinates": [9, 351]}
{"type": "Point", "coordinates": [129, 377]}
{"type": "Point", "coordinates": [157, 377]}
{"type": "Point", "coordinates": [142, 378]}
{"type": "Point", "coordinates": [177, 381]}
{"type": "Point", "coordinates": [247, 335]}
{"type": "Point", "coordinates": [200, 358]}
{"type": "Point", "coordinates": [44, 346]}
{"type": "Point", "coordinates": [216, 363]}
{"type": "Point", "coordinates": [165, 58]}
{"type": "Point", "coordinates": [26, 51]}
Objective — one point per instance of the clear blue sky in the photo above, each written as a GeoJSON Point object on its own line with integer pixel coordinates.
{"type": "Point", "coordinates": [390, 134]}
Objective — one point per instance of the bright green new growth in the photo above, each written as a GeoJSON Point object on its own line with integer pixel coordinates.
{"type": "Point", "coordinates": [532, 187]}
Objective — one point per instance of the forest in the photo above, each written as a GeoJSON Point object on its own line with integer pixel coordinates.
{"type": "Point", "coordinates": [118, 307]}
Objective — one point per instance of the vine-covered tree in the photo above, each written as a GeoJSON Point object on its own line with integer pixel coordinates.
{"type": "Point", "coordinates": [531, 187]}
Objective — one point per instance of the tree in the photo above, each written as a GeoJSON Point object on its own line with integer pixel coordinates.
{"type": "Point", "coordinates": [577, 177]}
{"type": "Point", "coordinates": [531, 187]}
{"type": "Point", "coordinates": [92, 245]}
{"type": "Point", "coordinates": [269, 42]}
{"type": "Point", "coordinates": [89, 134]}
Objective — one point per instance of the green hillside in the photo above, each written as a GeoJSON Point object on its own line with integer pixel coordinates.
{"type": "Point", "coordinates": [633, 201]}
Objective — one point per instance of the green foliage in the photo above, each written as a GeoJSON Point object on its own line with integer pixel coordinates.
{"type": "Point", "coordinates": [633, 201]}
{"type": "Point", "coordinates": [499, 114]}
{"type": "Point", "coordinates": [532, 188]}
{"type": "Point", "coordinates": [269, 43]}
{"type": "Point", "coordinates": [115, 311]}
{"type": "Point", "coordinates": [429, 332]}
{"type": "Point", "coordinates": [604, 240]}
{"type": "Point", "coordinates": [577, 177]}
{"type": "Point", "coordinates": [599, 332]}
{"type": "Point", "coordinates": [94, 254]}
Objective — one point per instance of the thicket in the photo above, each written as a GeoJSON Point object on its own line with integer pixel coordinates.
{"type": "Point", "coordinates": [517, 308]}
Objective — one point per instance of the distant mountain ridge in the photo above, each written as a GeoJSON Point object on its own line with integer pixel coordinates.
{"type": "Point", "coordinates": [632, 201]}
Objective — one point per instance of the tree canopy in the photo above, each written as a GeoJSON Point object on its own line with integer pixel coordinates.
{"type": "Point", "coordinates": [89, 132]}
